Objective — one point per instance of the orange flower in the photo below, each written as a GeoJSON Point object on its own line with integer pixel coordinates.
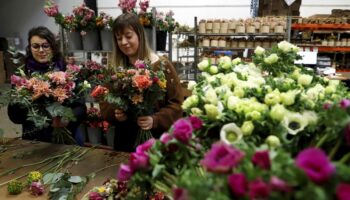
{"type": "Point", "coordinates": [60, 94]}
{"type": "Point", "coordinates": [137, 99]}
{"type": "Point", "coordinates": [99, 91]}
{"type": "Point", "coordinates": [141, 81]}
{"type": "Point", "coordinates": [40, 88]}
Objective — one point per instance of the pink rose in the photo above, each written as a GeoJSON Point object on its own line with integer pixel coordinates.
{"type": "Point", "coordinates": [182, 131]}
{"type": "Point", "coordinates": [124, 173]}
{"type": "Point", "coordinates": [138, 161]}
{"type": "Point", "coordinates": [258, 189]}
{"type": "Point", "coordinates": [343, 191]}
{"type": "Point", "coordinates": [143, 148]}
{"type": "Point", "coordinates": [238, 184]}
{"type": "Point", "coordinates": [196, 122]}
{"type": "Point", "coordinates": [262, 159]}
{"type": "Point", "coordinates": [165, 138]}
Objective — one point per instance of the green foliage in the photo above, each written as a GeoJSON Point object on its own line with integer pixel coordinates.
{"type": "Point", "coordinates": [14, 187]}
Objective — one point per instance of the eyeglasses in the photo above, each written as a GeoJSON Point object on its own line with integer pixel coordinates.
{"type": "Point", "coordinates": [44, 46]}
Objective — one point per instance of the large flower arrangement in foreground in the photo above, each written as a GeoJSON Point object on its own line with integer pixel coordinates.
{"type": "Point", "coordinates": [271, 99]}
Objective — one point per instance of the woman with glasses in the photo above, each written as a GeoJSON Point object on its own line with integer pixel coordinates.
{"type": "Point", "coordinates": [43, 55]}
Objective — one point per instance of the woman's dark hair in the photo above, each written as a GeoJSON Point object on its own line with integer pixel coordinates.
{"type": "Point", "coordinates": [44, 33]}
{"type": "Point", "coordinates": [129, 20]}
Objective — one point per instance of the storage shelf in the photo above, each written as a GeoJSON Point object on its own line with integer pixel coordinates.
{"type": "Point", "coordinates": [321, 26]}
{"type": "Point", "coordinates": [242, 34]}
{"type": "Point", "coordinates": [327, 48]}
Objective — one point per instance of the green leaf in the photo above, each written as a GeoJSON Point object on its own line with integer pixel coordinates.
{"type": "Point", "coordinates": [157, 170]}
{"type": "Point", "coordinates": [75, 179]}
{"type": "Point", "coordinates": [51, 178]}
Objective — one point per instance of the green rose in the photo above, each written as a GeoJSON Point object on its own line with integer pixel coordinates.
{"type": "Point", "coordinates": [190, 101]}
{"type": "Point", "coordinates": [273, 58]}
{"type": "Point", "coordinates": [277, 112]}
{"type": "Point", "coordinates": [272, 98]}
{"type": "Point", "coordinates": [305, 79]}
{"type": "Point", "coordinates": [273, 141]}
{"type": "Point", "coordinates": [238, 92]}
{"type": "Point", "coordinates": [259, 51]}
{"type": "Point", "coordinates": [213, 69]}
{"type": "Point", "coordinates": [211, 111]}
{"type": "Point", "coordinates": [285, 46]}
{"type": "Point", "coordinates": [196, 112]}
{"type": "Point", "coordinates": [236, 61]}
{"type": "Point", "coordinates": [247, 128]}
{"type": "Point", "coordinates": [203, 65]}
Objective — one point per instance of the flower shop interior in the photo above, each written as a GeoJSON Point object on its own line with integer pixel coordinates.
{"type": "Point", "coordinates": [264, 109]}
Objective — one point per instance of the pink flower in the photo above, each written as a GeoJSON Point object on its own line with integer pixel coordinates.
{"type": "Point", "coordinates": [165, 138]}
{"type": "Point", "coordinates": [238, 184]}
{"type": "Point", "coordinates": [347, 134]}
{"type": "Point", "coordinates": [18, 81]}
{"type": "Point", "coordinates": [180, 194]}
{"type": "Point", "coordinates": [144, 4]}
{"type": "Point", "coordinates": [258, 189]}
{"type": "Point", "coordinates": [196, 122]}
{"type": "Point", "coordinates": [343, 191]}
{"type": "Point", "coordinates": [262, 159]}
{"type": "Point", "coordinates": [140, 64]}
{"type": "Point", "coordinates": [143, 148]}
{"type": "Point", "coordinates": [182, 131]}
{"type": "Point", "coordinates": [222, 158]}
{"type": "Point", "coordinates": [327, 106]}
{"type": "Point", "coordinates": [95, 196]}
{"type": "Point", "coordinates": [37, 188]}
{"type": "Point", "coordinates": [278, 184]}
{"type": "Point", "coordinates": [316, 165]}
{"type": "Point", "coordinates": [125, 172]}
{"type": "Point", "coordinates": [344, 103]}
{"type": "Point", "coordinates": [138, 161]}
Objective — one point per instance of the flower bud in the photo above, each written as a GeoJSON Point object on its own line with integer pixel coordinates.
{"type": "Point", "coordinates": [273, 141]}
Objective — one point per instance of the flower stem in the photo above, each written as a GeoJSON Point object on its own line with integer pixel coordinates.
{"type": "Point", "coordinates": [322, 140]}
{"type": "Point", "coordinates": [334, 150]}
{"type": "Point", "coordinates": [345, 158]}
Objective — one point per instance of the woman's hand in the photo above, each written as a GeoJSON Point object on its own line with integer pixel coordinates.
{"type": "Point", "coordinates": [120, 115]}
{"type": "Point", "coordinates": [145, 122]}
{"type": "Point", "coordinates": [57, 122]}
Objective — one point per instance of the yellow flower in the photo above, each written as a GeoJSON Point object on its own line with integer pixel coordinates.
{"type": "Point", "coordinates": [34, 176]}
{"type": "Point", "coordinates": [101, 189]}
{"type": "Point", "coordinates": [137, 99]}
{"type": "Point", "coordinates": [162, 83]}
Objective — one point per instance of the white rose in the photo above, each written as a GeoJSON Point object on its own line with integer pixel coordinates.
{"type": "Point", "coordinates": [232, 102]}
{"type": "Point", "coordinates": [273, 58]}
{"type": "Point", "coordinates": [191, 85]}
{"type": "Point", "coordinates": [272, 98]}
{"type": "Point", "coordinates": [305, 79]}
{"type": "Point", "coordinates": [211, 111]}
{"type": "Point", "coordinates": [288, 98]}
{"type": "Point", "coordinates": [224, 59]}
{"type": "Point", "coordinates": [190, 101]}
{"type": "Point", "coordinates": [273, 141]}
{"type": "Point", "coordinates": [295, 49]}
{"type": "Point", "coordinates": [285, 46]}
{"type": "Point", "coordinates": [239, 92]}
{"type": "Point", "coordinates": [247, 128]}
{"type": "Point", "coordinates": [277, 112]}
{"type": "Point", "coordinates": [259, 51]}
{"type": "Point", "coordinates": [213, 69]}
{"type": "Point", "coordinates": [254, 115]}
{"type": "Point", "coordinates": [196, 111]}
{"type": "Point", "coordinates": [210, 96]}
{"type": "Point", "coordinates": [203, 65]}
{"type": "Point", "coordinates": [236, 61]}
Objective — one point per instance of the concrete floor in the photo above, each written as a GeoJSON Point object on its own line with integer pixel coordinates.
{"type": "Point", "coordinates": [7, 128]}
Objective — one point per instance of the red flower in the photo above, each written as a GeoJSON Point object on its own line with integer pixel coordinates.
{"type": "Point", "coordinates": [238, 184]}
{"type": "Point", "coordinates": [99, 91]}
{"type": "Point", "coordinates": [262, 159]}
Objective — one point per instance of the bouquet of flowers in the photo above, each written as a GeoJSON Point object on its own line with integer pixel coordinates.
{"type": "Point", "coordinates": [146, 18]}
{"type": "Point", "coordinates": [166, 22]}
{"type": "Point", "coordinates": [135, 90]}
{"type": "Point", "coordinates": [94, 119]}
{"type": "Point", "coordinates": [47, 96]}
{"type": "Point", "coordinates": [104, 21]}
{"type": "Point", "coordinates": [82, 19]}
{"type": "Point", "coordinates": [270, 98]}
{"type": "Point", "coordinates": [93, 72]}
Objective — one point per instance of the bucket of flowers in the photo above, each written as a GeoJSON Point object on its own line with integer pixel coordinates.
{"type": "Point", "coordinates": [95, 125]}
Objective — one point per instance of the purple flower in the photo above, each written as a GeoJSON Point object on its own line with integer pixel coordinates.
{"type": "Point", "coordinates": [278, 184]}
{"type": "Point", "coordinates": [196, 122]}
{"type": "Point", "coordinates": [347, 134]}
{"type": "Point", "coordinates": [316, 165]}
{"type": "Point", "coordinates": [165, 138]}
{"type": "Point", "coordinates": [138, 161]}
{"type": "Point", "coordinates": [140, 64]}
{"type": "Point", "coordinates": [258, 189]}
{"type": "Point", "coordinates": [182, 130]}
{"type": "Point", "coordinates": [222, 158]}
{"type": "Point", "coordinates": [143, 148]}
{"type": "Point", "coordinates": [180, 194]}
{"type": "Point", "coordinates": [344, 103]}
{"type": "Point", "coordinates": [37, 188]}
{"type": "Point", "coordinates": [262, 159]}
{"type": "Point", "coordinates": [238, 184]}
{"type": "Point", "coordinates": [95, 196]}
{"type": "Point", "coordinates": [343, 191]}
{"type": "Point", "coordinates": [124, 172]}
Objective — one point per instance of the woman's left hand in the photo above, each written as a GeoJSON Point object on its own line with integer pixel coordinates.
{"type": "Point", "coordinates": [145, 122]}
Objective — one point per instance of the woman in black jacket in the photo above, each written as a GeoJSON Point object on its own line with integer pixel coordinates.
{"type": "Point", "coordinates": [42, 55]}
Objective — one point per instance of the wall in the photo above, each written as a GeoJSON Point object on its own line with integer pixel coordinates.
{"type": "Point", "coordinates": [18, 16]}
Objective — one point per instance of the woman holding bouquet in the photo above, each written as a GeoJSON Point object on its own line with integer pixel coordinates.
{"type": "Point", "coordinates": [42, 56]}
{"type": "Point", "coordinates": [131, 46]}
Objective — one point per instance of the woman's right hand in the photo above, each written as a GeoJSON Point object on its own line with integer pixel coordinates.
{"type": "Point", "coordinates": [120, 115]}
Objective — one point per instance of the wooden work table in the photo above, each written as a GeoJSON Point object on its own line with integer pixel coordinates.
{"type": "Point", "coordinates": [32, 152]}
